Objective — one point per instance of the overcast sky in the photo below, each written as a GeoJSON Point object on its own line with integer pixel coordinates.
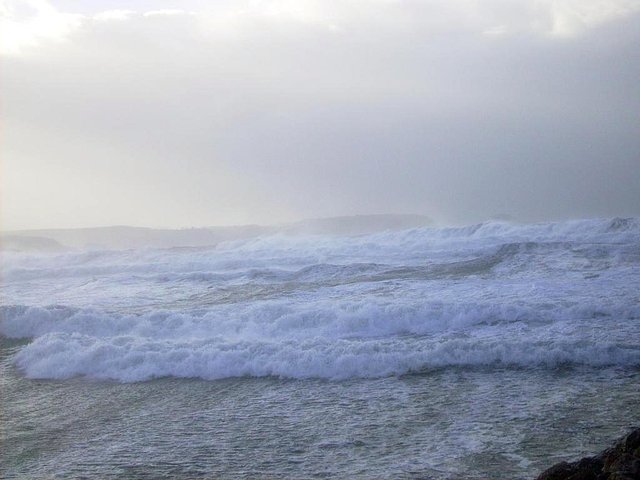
{"type": "Point", "coordinates": [194, 113]}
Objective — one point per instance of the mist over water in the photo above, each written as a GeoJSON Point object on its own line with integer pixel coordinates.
{"type": "Point", "coordinates": [333, 307]}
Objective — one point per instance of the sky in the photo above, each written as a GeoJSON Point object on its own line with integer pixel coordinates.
{"type": "Point", "coordinates": [194, 113]}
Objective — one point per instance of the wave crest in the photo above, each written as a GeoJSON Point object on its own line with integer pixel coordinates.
{"type": "Point", "coordinates": [130, 359]}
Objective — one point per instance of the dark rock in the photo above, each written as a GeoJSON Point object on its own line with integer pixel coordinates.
{"type": "Point", "coordinates": [560, 471]}
{"type": "Point", "coordinates": [594, 464]}
{"type": "Point", "coordinates": [583, 475]}
{"type": "Point", "coordinates": [632, 441]}
{"type": "Point", "coordinates": [620, 462]}
{"type": "Point", "coordinates": [623, 464]}
{"type": "Point", "coordinates": [609, 456]}
{"type": "Point", "coordinates": [621, 476]}
{"type": "Point", "coordinates": [586, 469]}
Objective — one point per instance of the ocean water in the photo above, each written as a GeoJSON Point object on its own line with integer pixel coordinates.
{"type": "Point", "coordinates": [486, 351]}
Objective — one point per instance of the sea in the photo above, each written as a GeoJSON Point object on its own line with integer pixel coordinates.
{"type": "Point", "coordinates": [487, 351]}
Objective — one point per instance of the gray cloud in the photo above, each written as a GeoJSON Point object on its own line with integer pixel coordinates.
{"type": "Point", "coordinates": [283, 110]}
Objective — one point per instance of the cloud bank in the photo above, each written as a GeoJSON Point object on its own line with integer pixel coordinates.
{"type": "Point", "coordinates": [178, 114]}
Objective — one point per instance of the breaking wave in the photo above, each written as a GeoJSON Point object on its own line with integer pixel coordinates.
{"type": "Point", "coordinates": [127, 358]}
{"type": "Point", "coordinates": [493, 294]}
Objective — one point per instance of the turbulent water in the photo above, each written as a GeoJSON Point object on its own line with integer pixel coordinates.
{"type": "Point", "coordinates": [428, 353]}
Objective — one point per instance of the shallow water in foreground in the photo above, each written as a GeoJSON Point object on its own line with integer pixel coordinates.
{"type": "Point", "coordinates": [488, 351]}
{"type": "Point", "coordinates": [452, 423]}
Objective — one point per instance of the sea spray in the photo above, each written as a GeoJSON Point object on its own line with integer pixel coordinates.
{"type": "Point", "coordinates": [489, 295]}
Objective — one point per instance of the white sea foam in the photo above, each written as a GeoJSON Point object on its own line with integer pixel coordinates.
{"type": "Point", "coordinates": [128, 358]}
{"type": "Point", "coordinates": [492, 294]}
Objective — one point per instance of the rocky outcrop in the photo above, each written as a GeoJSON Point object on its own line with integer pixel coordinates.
{"type": "Point", "coordinates": [620, 462]}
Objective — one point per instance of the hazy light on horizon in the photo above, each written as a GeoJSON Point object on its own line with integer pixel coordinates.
{"type": "Point", "coordinates": [187, 114]}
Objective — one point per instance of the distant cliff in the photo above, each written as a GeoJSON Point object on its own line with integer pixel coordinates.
{"type": "Point", "coordinates": [28, 243]}
{"type": "Point", "coordinates": [123, 237]}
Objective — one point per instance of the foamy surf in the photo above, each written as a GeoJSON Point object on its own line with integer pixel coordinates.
{"type": "Point", "coordinates": [490, 295]}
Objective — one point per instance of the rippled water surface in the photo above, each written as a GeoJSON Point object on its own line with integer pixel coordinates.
{"type": "Point", "coordinates": [487, 351]}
